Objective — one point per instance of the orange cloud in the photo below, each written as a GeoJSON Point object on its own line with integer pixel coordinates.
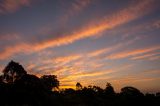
{"type": "Point", "coordinates": [62, 71]}
{"type": "Point", "coordinates": [67, 86]}
{"type": "Point", "coordinates": [67, 83]}
{"type": "Point", "coordinates": [31, 66]}
{"type": "Point", "coordinates": [10, 6]}
{"type": "Point", "coordinates": [66, 59]}
{"type": "Point", "coordinates": [111, 48]}
{"type": "Point", "coordinates": [9, 51]}
{"type": "Point", "coordinates": [98, 52]}
{"type": "Point", "coordinates": [126, 54]}
{"type": "Point", "coordinates": [87, 74]}
{"type": "Point", "coordinates": [145, 56]}
{"type": "Point", "coordinates": [123, 16]}
{"type": "Point", "coordinates": [85, 78]}
{"type": "Point", "coordinates": [92, 29]}
{"type": "Point", "coordinates": [140, 78]}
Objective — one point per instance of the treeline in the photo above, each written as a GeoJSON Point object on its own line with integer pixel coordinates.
{"type": "Point", "coordinates": [17, 88]}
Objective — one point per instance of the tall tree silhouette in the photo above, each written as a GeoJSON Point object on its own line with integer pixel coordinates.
{"type": "Point", "coordinates": [12, 72]}
{"type": "Point", "coordinates": [50, 81]}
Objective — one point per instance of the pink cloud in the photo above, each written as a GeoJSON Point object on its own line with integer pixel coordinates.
{"type": "Point", "coordinates": [145, 56]}
{"type": "Point", "coordinates": [92, 29]}
{"type": "Point", "coordinates": [10, 6]}
{"type": "Point", "coordinates": [125, 54]}
{"type": "Point", "coordinates": [76, 7]}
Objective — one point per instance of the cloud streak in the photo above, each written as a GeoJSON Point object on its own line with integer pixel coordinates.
{"type": "Point", "coordinates": [87, 75]}
{"type": "Point", "coordinates": [92, 29]}
{"type": "Point", "coordinates": [130, 53]}
{"type": "Point", "coordinates": [76, 7]}
{"type": "Point", "coordinates": [10, 6]}
{"type": "Point", "coordinates": [98, 52]}
{"type": "Point", "coordinates": [66, 59]}
{"type": "Point", "coordinates": [9, 51]}
{"type": "Point", "coordinates": [145, 56]}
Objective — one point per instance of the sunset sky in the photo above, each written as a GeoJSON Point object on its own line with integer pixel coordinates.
{"type": "Point", "coordinates": [88, 41]}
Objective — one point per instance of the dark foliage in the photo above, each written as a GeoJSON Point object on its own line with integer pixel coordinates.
{"type": "Point", "coordinates": [13, 71]}
{"type": "Point", "coordinates": [17, 88]}
{"type": "Point", "coordinates": [50, 81]}
{"type": "Point", "coordinates": [78, 86]}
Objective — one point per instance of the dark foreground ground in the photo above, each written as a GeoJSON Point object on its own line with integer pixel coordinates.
{"type": "Point", "coordinates": [11, 95]}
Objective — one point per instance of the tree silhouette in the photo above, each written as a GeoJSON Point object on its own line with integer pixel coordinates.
{"type": "Point", "coordinates": [109, 90]}
{"type": "Point", "coordinates": [132, 96]}
{"type": "Point", "coordinates": [13, 71]}
{"type": "Point", "coordinates": [50, 81]}
{"type": "Point", "coordinates": [78, 86]}
{"type": "Point", "coordinates": [130, 91]}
